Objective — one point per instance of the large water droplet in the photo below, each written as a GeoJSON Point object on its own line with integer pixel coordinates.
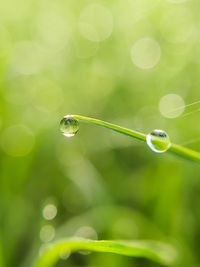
{"type": "Point", "coordinates": [158, 141]}
{"type": "Point", "coordinates": [69, 126]}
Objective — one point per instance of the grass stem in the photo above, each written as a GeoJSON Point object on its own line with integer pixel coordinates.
{"type": "Point", "coordinates": [180, 151]}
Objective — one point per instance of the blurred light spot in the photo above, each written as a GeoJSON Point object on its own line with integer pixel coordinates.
{"type": "Point", "coordinates": [87, 232]}
{"type": "Point", "coordinates": [53, 30]}
{"type": "Point", "coordinates": [96, 23]}
{"type": "Point", "coordinates": [64, 255]}
{"type": "Point", "coordinates": [47, 233]}
{"type": "Point", "coordinates": [171, 106]}
{"type": "Point", "coordinates": [85, 48]}
{"type": "Point", "coordinates": [28, 58]}
{"type": "Point", "coordinates": [49, 212]}
{"type": "Point", "coordinates": [177, 25]}
{"type": "Point", "coordinates": [145, 53]}
{"type": "Point", "coordinates": [17, 140]}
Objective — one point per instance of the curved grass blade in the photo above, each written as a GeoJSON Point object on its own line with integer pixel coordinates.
{"type": "Point", "coordinates": [153, 250]}
{"type": "Point", "coordinates": [178, 150]}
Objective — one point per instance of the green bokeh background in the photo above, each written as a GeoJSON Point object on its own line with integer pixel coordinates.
{"type": "Point", "coordinates": [98, 179]}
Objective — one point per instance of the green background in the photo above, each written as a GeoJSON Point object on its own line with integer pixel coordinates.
{"type": "Point", "coordinates": [59, 58]}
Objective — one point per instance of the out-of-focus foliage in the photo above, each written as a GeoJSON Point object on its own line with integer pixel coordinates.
{"type": "Point", "coordinates": [134, 63]}
{"type": "Point", "coordinates": [153, 250]}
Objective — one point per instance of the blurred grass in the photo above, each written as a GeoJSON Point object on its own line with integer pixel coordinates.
{"type": "Point", "coordinates": [48, 68]}
{"type": "Point", "coordinates": [155, 251]}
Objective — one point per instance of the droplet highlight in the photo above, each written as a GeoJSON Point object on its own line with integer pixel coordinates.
{"type": "Point", "coordinates": [69, 126]}
{"type": "Point", "coordinates": [158, 141]}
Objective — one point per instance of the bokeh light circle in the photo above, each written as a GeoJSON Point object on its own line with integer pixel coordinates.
{"type": "Point", "coordinates": [47, 233]}
{"type": "Point", "coordinates": [145, 53]}
{"type": "Point", "coordinates": [171, 106]}
{"type": "Point", "coordinates": [49, 212]}
{"type": "Point", "coordinates": [96, 23]}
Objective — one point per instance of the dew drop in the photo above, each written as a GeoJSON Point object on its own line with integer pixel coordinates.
{"type": "Point", "coordinates": [69, 126]}
{"type": "Point", "coordinates": [158, 141]}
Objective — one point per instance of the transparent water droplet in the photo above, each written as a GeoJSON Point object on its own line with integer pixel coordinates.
{"type": "Point", "coordinates": [69, 126]}
{"type": "Point", "coordinates": [158, 141]}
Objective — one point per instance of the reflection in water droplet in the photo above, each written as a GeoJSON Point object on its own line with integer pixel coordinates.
{"type": "Point", "coordinates": [69, 126]}
{"type": "Point", "coordinates": [158, 141]}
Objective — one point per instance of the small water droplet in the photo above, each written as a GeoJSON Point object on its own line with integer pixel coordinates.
{"type": "Point", "coordinates": [158, 141]}
{"type": "Point", "coordinates": [69, 126]}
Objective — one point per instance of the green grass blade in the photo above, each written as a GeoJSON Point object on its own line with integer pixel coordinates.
{"type": "Point", "coordinates": [156, 251]}
{"type": "Point", "coordinates": [185, 152]}
{"type": "Point", "coordinates": [178, 150]}
{"type": "Point", "coordinates": [111, 126]}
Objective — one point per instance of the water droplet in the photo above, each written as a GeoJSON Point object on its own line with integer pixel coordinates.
{"type": "Point", "coordinates": [158, 141]}
{"type": "Point", "coordinates": [69, 126]}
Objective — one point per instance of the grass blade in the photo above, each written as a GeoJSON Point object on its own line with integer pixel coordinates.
{"type": "Point", "coordinates": [178, 150]}
{"type": "Point", "coordinates": [153, 250]}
